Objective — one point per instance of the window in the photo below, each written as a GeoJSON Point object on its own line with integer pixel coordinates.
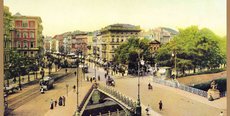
{"type": "Point", "coordinates": [18, 23]}
{"type": "Point", "coordinates": [31, 24]}
{"type": "Point", "coordinates": [31, 44]}
{"type": "Point", "coordinates": [112, 47]}
{"type": "Point", "coordinates": [25, 35]}
{"type": "Point", "coordinates": [18, 44]}
{"type": "Point", "coordinates": [25, 44]}
{"type": "Point", "coordinates": [25, 53]}
{"type": "Point", "coordinates": [31, 34]}
{"type": "Point", "coordinates": [32, 53]}
{"type": "Point", "coordinates": [24, 24]}
{"type": "Point", "coordinates": [122, 40]}
{"type": "Point", "coordinates": [18, 34]}
{"type": "Point", "coordinates": [117, 39]}
{"type": "Point", "coordinates": [112, 39]}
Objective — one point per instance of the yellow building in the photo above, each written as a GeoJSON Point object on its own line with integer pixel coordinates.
{"type": "Point", "coordinates": [114, 35]}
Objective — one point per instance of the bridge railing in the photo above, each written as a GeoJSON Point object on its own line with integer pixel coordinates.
{"type": "Point", "coordinates": [181, 86]}
{"type": "Point", "coordinates": [129, 102]}
{"type": "Point", "coordinates": [85, 98]}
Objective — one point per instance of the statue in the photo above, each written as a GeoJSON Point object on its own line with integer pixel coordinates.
{"type": "Point", "coordinates": [213, 92]}
{"type": "Point", "coordinates": [213, 85]}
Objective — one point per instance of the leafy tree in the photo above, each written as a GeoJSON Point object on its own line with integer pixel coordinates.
{"type": "Point", "coordinates": [127, 53]}
{"type": "Point", "coordinates": [194, 48]}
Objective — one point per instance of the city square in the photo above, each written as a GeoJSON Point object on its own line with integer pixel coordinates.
{"type": "Point", "coordinates": [73, 65]}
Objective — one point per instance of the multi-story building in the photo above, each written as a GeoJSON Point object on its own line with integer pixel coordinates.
{"type": "Point", "coordinates": [47, 43]}
{"type": "Point", "coordinates": [114, 35]}
{"type": "Point", "coordinates": [161, 34]}
{"type": "Point", "coordinates": [154, 45]}
{"type": "Point", "coordinates": [164, 35]}
{"type": "Point", "coordinates": [28, 37]}
{"type": "Point", "coordinates": [79, 42]}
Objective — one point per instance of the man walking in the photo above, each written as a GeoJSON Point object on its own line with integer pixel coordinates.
{"type": "Point", "coordinates": [51, 104]}
{"type": "Point", "coordinates": [160, 105]}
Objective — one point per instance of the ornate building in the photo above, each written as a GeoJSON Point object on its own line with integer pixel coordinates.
{"type": "Point", "coordinates": [28, 35]}
{"type": "Point", "coordinates": [114, 35]}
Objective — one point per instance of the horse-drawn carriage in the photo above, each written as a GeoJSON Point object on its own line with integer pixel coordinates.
{"type": "Point", "coordinates": [110, 82]}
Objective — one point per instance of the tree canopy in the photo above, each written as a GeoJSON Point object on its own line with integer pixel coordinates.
{"type": "Point", "coordinates": [194, 48]}
{"type": "Point", "coordinates": [127, 53]}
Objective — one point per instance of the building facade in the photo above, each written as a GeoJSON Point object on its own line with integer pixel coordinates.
{"type": "Point", "coordinates": [28, 37]}
{"type": "Point", "coordinates": [114, 35]}
{"type": "Point", "coordinates": [79, 42]}
{"type": "Point", "coordinates": [154, 46]}
{"type": "Point", "coordinates": [163, 34]}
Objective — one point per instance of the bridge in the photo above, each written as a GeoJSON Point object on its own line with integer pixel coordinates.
{"type": "Point", "coordinates": [104, 100]}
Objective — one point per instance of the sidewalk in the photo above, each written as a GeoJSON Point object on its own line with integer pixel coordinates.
{"type": "Point", "coordinates": [71, 102]}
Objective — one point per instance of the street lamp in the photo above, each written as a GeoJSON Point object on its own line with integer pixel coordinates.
{"type": "Point", "coordinates": [138, 108]}
{"type": "Point", "coordinates": [175, 56]}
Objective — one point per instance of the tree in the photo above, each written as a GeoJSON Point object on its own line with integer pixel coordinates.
{"type": "Point", "coordinates": [194, 48]}
{"type": "Point", "coordinates": [127, 53]}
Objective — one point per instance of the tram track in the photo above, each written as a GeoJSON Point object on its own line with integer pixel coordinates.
{"type": "Point", "coordinates": [29, 95]}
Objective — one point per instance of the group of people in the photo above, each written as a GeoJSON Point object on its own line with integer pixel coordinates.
{"type": "Point", "coordinates": [60, 102]}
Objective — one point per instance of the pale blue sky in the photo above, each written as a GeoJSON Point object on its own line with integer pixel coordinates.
{"type": "Point", "coordinates": [60, 16]}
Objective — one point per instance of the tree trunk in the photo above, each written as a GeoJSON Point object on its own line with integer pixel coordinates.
{"type": "Point", "coordinates": [29, 77]}
{"type": "Point", "coordinates": [194, 69]}
{"type": "Point", "coordinates": [7, 82]}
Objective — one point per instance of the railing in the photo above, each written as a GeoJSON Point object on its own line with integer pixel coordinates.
{"type": "Point", "coordinates": [129, 102]}
{"type": "Point", "coordinates": [180, 86]}
{"type": "Point", "coordinates": [85, 98]}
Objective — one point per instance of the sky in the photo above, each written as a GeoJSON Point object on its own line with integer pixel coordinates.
{"type": "Point", "coordinates": [59, 16]}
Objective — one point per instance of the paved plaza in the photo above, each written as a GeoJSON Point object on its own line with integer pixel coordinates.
{"type": "Point", "coordinates": [175, 102]}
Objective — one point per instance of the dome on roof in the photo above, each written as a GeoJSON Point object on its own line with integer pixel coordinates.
{"type": "Point", "coordinates": [17, 14]}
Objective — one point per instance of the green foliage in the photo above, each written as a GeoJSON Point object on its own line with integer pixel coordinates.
{"type": "Point", "coordinates": [127, 53]}
{"type": "Point", "coordinates": [194, 48]}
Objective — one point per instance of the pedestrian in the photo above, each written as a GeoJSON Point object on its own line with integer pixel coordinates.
{"type": "Point", "coordinates": [98, 78]}
{"type": "Point", "coordinates": [91, 79]}
{"type": "Point", "coordinates": [63, 100]}
{"type": "Point", "coordinates": [160, 105]}
{"type": "Point", "coordinates": [75, 73]}
{"type": "Point", "coordinates": [105, 75]}
{"type": "Point", "coordinates": [55, 103]}
{"type": "Point", "coordinates": [60, 101]}
{"type": "Point", "coordinates": [51, 104]}
{"type": "Point", "coordinates": [147, 110]}
{"type": "Point", "coordinates": [221, 113]}
{"type": "Point", "coordinates": [74, 88]}
{"type": "Point", "coordinates": [66, 70]}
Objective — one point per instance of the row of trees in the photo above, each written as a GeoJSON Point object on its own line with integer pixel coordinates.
{"type": "Point", "coordinates": [194, 48]}
{"type": "Point", "coordinates": [20, 65]}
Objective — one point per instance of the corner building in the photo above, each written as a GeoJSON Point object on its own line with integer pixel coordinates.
{"type": "Point", "coordinates": [28, 37]}
{"type": "Point", "coordinates": [114, 35]}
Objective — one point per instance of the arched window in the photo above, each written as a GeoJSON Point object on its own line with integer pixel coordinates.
{"type": "Point", "coordinates": [25, 44]}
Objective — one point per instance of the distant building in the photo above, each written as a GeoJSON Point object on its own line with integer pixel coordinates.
{"type": "Point", "coordinates": [114, 35]}
{"type": "Point", "coordinates": [154, 46]}
{"type": "Point", "coordinates": [79, 42]}
{"type": "Point", "coordinates": [161, 34]}
{"type": "Point", "coordinates": [28, 34]}
{"type": "Point", "coordinates": [47, 43]}
{"type": "Point", "coordinates": [164, 35]}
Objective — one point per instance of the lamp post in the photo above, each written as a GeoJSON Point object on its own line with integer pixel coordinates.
{"type": "Point", "coordinates": [77, 86]}
{"type": "Point", "coordinates": [175, 56]}
{"type": "Point", "coordinates": [138, 108]}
